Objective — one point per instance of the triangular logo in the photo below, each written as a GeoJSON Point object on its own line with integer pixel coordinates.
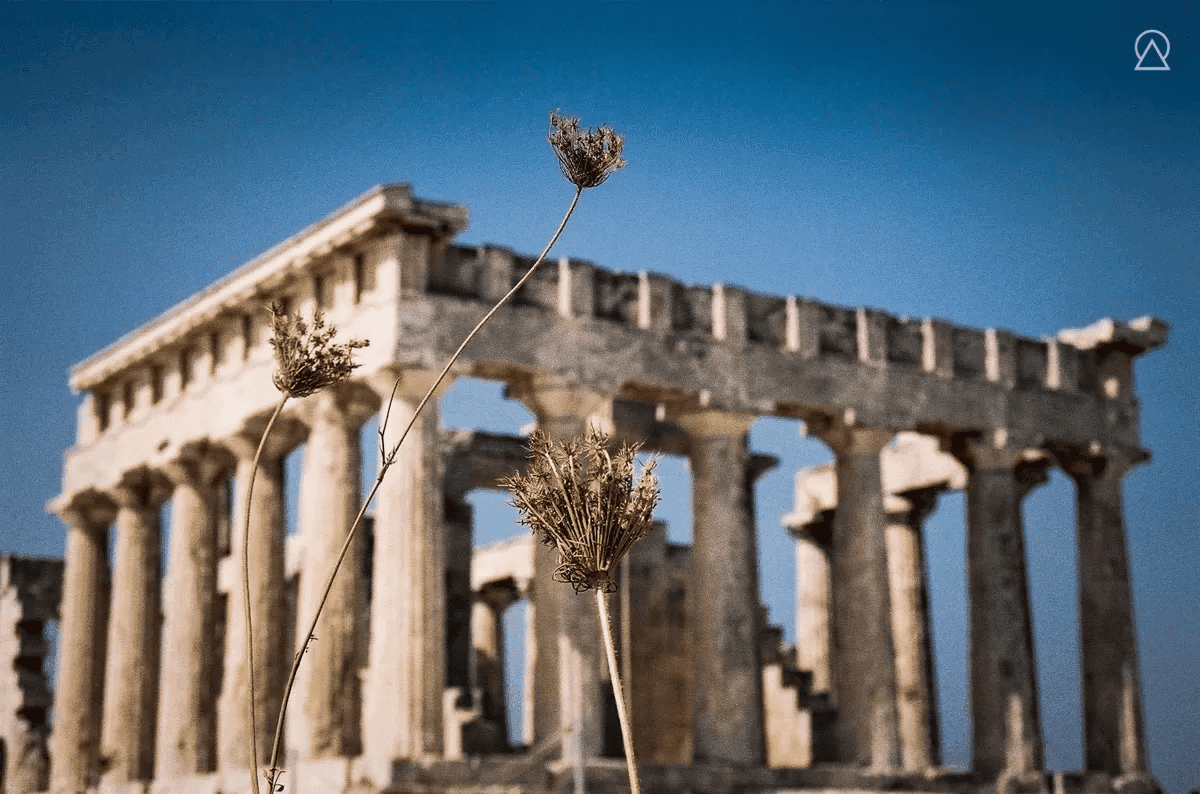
{"type": "Point", "coordinates": [1151, 58]}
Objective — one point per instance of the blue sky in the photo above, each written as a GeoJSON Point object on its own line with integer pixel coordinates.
{"type": "Point", "coordinates": [999, 166]}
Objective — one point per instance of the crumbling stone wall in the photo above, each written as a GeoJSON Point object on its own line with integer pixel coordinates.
{"type": "Point", "coordinates": [30, 590]}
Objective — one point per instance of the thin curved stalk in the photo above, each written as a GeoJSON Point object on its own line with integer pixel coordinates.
{"type": "Point", "coordinates": [262, 443]}
{"type": "Point", "coordinates": [635, 786]}
{"type": "Point", "coordinates": [388, 458]}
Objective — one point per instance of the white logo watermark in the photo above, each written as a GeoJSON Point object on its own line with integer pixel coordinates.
{"type": "Point", "coordinates": [1157, 62]}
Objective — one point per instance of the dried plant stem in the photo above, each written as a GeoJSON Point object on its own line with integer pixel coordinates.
{"type": "Point", "coordinates": [635, 787]}
{"type": "Point", "coordinates": [262, 443]}
{"type": "Point", "coordinates": [389, 457]}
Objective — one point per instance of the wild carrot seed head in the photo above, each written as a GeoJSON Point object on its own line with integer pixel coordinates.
{"type": "Point", "coordinates": [580, 498]}
{"type": "Point", "coordinates": [308, 360]}
{"type": "Point", "coordinates": [586, 157]}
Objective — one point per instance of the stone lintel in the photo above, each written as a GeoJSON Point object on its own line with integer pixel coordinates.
{"type": "Point", "coordinates": [508, 560]}
{"type": "Point", "coordinates": [696, 370]}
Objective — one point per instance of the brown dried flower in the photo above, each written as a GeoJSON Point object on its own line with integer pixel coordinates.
{"type": "Point", "coordinates": [308, 360]}
{"type": "Point", "coordinates": [581, 499]}
{"type": "Point", "coordinates": [587, 157]}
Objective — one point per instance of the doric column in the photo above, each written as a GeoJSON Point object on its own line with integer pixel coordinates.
{"type": "Point", "coordinates": [1114, 737]}
{"type": "Point", "coordinates": [487, 637]}
{"type": "Point", "coordinates": [325, 714]}
{"type": "Point", "coordinates": [864, 671]}
{"type": "Point", "coordinates": [78, 694]}
{"type": "Point", "coordinates": [565, 620]}
{"type": "Point", "coordinates": [458, 520]}
{"type": "Point", "coordinates": [1004, 706]}
{"type": "Point", "coordinates": [723, 598]}
{"type": "Point", "coordinates": [131, 677]}
{"type": "Point", "coordinates": [406, 679]}
{"type": "Point", "coordinates": [265, 558]}
{"type": "Point", "coordinates": [911, 635]}
{"type": "Point", "coordinates": [187, 706]}
{"type": "Point", "coordinates": [812, 598]}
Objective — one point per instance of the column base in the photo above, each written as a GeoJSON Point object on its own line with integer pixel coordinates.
{"type": "Point", "coordinates": [1022, 783]}
{"type": "Point", "coordinates": [1136, 783]}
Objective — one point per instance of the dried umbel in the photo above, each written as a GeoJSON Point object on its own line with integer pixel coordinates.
{"type": "Point", "coordinates": [580, 497]}
{"type": "Point", "coordinates": [586, 157]}
{"type": "Point", "coordinates": [308, 358]}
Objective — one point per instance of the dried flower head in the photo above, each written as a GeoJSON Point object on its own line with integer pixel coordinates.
{"type": "Point", "coordinates": [587, 157]}
{"type": "Point", "coordinates": [308, 360]}
{"type": "Point", "coordinates": [580, 497]}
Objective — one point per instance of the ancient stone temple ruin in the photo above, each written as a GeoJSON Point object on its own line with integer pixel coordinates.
{"type": "Point", "coordinates": [403, 690]}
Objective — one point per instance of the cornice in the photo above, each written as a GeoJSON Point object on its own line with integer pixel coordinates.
{"type": "Point", "coordinates": [382, 207]}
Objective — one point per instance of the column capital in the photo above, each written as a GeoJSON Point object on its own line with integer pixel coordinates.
{"type": "Point", "coordinates": [350, 403]}
{"type": "Point", "coordinates": [1032, 471]}
{"type": "Point", "coordinates": [913, 507]}
{"type": "Point", "coordinates": [713, 423]}
{"type": "Point", "coordinates": [819, 530]}
{"type": "Point", "coordinates": [407, 383]}
{"type": "Point", "coordinates": [199, 464]}
{"type": "Point", "coordinates": [1095, 462]}
{"type": "Point", "coordinates": [990, 453]}
{"type": "Point", "coordinates": [498, 595]}
{"type": "Point", "coordinates": [288, 432]}
{"type": "Point", "coordinates": [845, 437]}
{"type": "Point", "coordinates": [552, 397]}
{"type": "Point", "coordinates": [89, 509]}
{"type": "Point", "coordinates": [141, 488]}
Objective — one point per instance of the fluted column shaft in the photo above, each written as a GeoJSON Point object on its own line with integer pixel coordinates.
{"type": "Point", "coordinates": [1004, 705]}
{"type": "Point", "coordinates": [458, 523]}
{"type": "Point", "coordinates": [812, 600]}
{"type": "Point", "coordinates": [911, 634]}
{"type": "Point", "coordinates": [187, 706]}
{"type": "Point", "coordinates": [78, 693]}
{"type": "Point", "coordinates": [325, 715]}
{"type": "Point", "coordinates": [402, 702]}
{"type": "Point", "coordinates": [131, 677]}
{"type": "Point", "coordinates": [1114, 735]}
{"type": "Point", "coordinates": [487, 637]}
{"type": "Point", "coordinates": [568, 661]}
{"type": "Point", "coordinates": [723, 597]}
{"type": "Point", "coordinates": [864, 671]}
{"type": "Point", "coordinates": [265, 557]}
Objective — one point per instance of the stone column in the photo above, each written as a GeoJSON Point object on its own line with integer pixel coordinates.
{"type": "Point", "coordinates": [487, 637]}
{"type": "Point", "coordinates": [131, 677]}
{"type": "Point", "coordinates": [911, 635]}
{"type": "Point", "coordinates": [812, 598]}
{"type": "Point", "coordinates": [563, 618]}
{"type": "Point", "coordinates": [1114, 736]}
{"type": "Point", "coordinates": [723, 598]}
{"type": "Point", "coordinates": [187, 707]}
{"type": "Point", "coordinates": [864, 668]}
{"type": "Point", "coordinates": [458, 523]}
{"type": "Point", "coordinates": [406, 679]}
{"type": "Point", "coordinates": [78, 694]}
{"type": "Point", "coordinates": [325, 715]}
{"type": "Point", "coordinates": [265, 556]}
{"type": "Point", "coordinates": [1007, 732]}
